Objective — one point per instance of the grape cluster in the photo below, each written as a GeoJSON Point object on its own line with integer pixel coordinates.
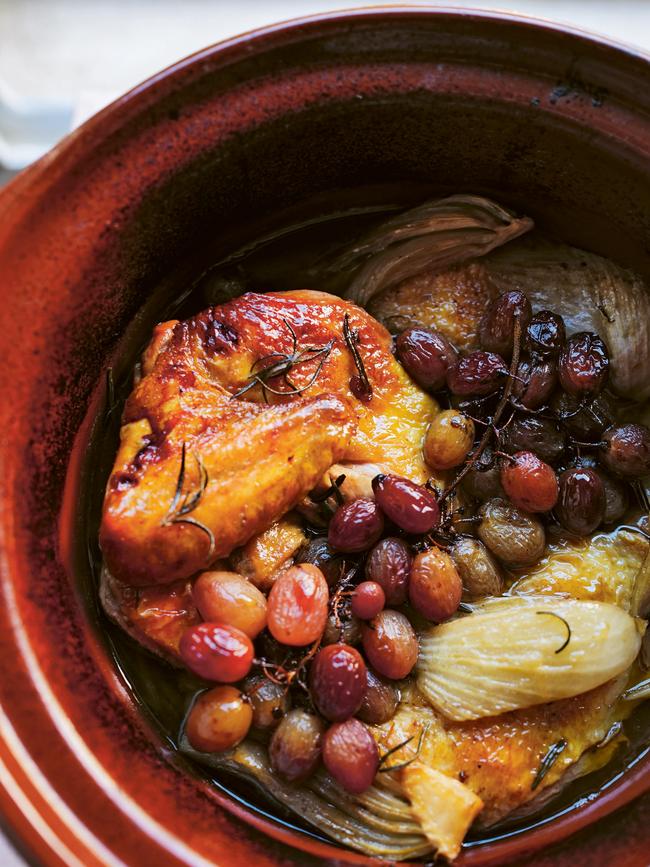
{"type": "Point", "coordinates": [332, 639]}
{"type": "Point", "coordinates": [529, 436]}
{"type": "Point", "coordinates": [556, 449]}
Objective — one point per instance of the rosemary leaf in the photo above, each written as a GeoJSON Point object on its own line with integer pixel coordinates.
{"type": "Point", "coordinates": [183, 504]}
{"type": "Point", "coordinates": [640, 691]}
{"type": "Point", "coordinates": [568, 628]}
{"type": "Point", "coordinates": [393, 750]}
{"type": "Point", "coordinates": [351, 340]}
{"type": "Point", "coordinates": [548, 761]}
{"type": "Point", "coordinates": [333, 490]}
{"type": "Point", "coordinates": [278, 365]}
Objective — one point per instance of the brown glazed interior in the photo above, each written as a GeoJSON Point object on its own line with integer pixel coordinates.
{"type": "Point", "coordinates": [543, 118]}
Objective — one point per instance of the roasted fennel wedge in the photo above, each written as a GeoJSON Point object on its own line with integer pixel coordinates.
{"type": "Point", "coordinates": [516, 652]}
{"type": "Point", "coordinates": [379, 822]}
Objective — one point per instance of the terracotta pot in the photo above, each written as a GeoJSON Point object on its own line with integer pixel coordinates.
{"type": "Point", "coordinates": [543, 117]}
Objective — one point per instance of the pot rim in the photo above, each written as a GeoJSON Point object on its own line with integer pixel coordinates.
{"type": "Point", "coordinates": [20, 800]}
{"type": "Point", "coordinates": [77, 138]}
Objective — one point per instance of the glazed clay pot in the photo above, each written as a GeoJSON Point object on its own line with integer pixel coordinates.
{"type": "Point", "coordinates": [544, 119]}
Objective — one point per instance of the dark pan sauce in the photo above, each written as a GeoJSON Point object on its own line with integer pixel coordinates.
{"type": "Point", "coordinates": [291, 253]}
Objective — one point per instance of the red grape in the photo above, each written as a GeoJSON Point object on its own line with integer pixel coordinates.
{"type": "Point", "coordinates": [546, 333]}
{"type": "Point", "coordinates": [476, 374]}
{"type": "Point", "coordinates": [350, 755]}
{"type": "Point", "coordinates": [627, 451]}
{"type": "Point", "coordinates": [337, 681]}
{"type": "Point", "coordinates": [497, 328]}
{"type": "Point", "coordinates": [435, 588]}
{"type": "Point", "coordinates": [227, 597]}
{"type": "Point", "coordinates": [342, 630]}
{"type": "Point", "coordinates": [586, 421]}
{"type": "Point", "coordinates": [515, 537]}
{"type": "Point", "coordinates": [448, 440]}
{"type": "Point", "coordinates": [483, 481]}
{"type": "Point", "coordinates": [389, 564]}
{"type": "Point", "coordinates": [269, 701]}
{"type": "Point", "coordinates": [320, 553]}
{"type": "Point", "coordinates": [616, 497]}
{"type": "Point", "coordinates": [297, 606]}
{"type": "Point", "coordinates": [368, 600]}
{"type": "Point", "coordinates": [295, 747]}
{"type": "Point", "coordinates": [390, 644]}
{"type": "Point", "coordinates": [219, 719]}
{"type": "Point", "coordinates": [534, 434]}
{"type": "Point", "coordinates": [356, 526]}
{"type": "Point", "coordinates": [584, 364]}
{"type": "Point", "coordinates": [413, 508]}
{"type": "Point", "coordinates": [426, 355]}
{"type": "Point", "coordinates": [581, 503]}
{"type": "Point", "coordinates": [529, 482]}
{"type": "Point", "coordinates": [217, 651]}
{"type": "Point", "coordinates": [535, 382]}
{"type": "Point", "coordinates": [380, 701]}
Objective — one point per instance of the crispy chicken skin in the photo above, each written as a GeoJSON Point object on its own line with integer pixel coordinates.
{"type": "Point", "coordinates": [248, 459]}
{"type": "Point", "coordinates": [155, 617]}
{"type": "Point", "coordinates": [452, 301]}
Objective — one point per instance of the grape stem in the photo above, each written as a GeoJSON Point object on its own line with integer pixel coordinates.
{"type": "Point", "coordinates": [342, 590]}
{"type": "Point", "coordinates": [285, 677]}
{"type": "Point", "coordinates": [489, 430]}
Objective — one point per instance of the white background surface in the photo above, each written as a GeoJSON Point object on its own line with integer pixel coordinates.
{"type": "Point", "coordinates": [62, 60]}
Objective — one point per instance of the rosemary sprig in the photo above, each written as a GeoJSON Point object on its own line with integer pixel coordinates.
{"type": "Point", "coordinates": [341, 593]}
{"type": "Point", "coordinates": [266, 369]}
{"type": "Point", "coordinates": [568, 628]}
{"type": "Point", "coordinates": [184, 503]}
{"type": "Point", "coordinates": [639, 691]}
{"type": "Point", "coordinates": [363, 387]}
{"type": "Point", "coordinates": [287, 676]}
{"type": "Point", "coordinates": [393, 750]}
{"type": "Point", "coordinates": [548, 761]}
{"type": "Point", "coordinates": [614, 731]}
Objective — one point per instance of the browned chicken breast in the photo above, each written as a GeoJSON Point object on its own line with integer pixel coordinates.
{"type": "Point", "coordinates": [213, 450]}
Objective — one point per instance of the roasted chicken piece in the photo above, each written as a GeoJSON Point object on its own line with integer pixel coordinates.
{"type": "Point", "coordinates": [155, 617]}
{"type": "Point", "coordinates": [215, 448]}
{"type": "Point", "coordinates": [499, 757]}
{"type": "Point", "coordinates": [267, 554]}
{"type": "Point", "coordinates": [451, 301]}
